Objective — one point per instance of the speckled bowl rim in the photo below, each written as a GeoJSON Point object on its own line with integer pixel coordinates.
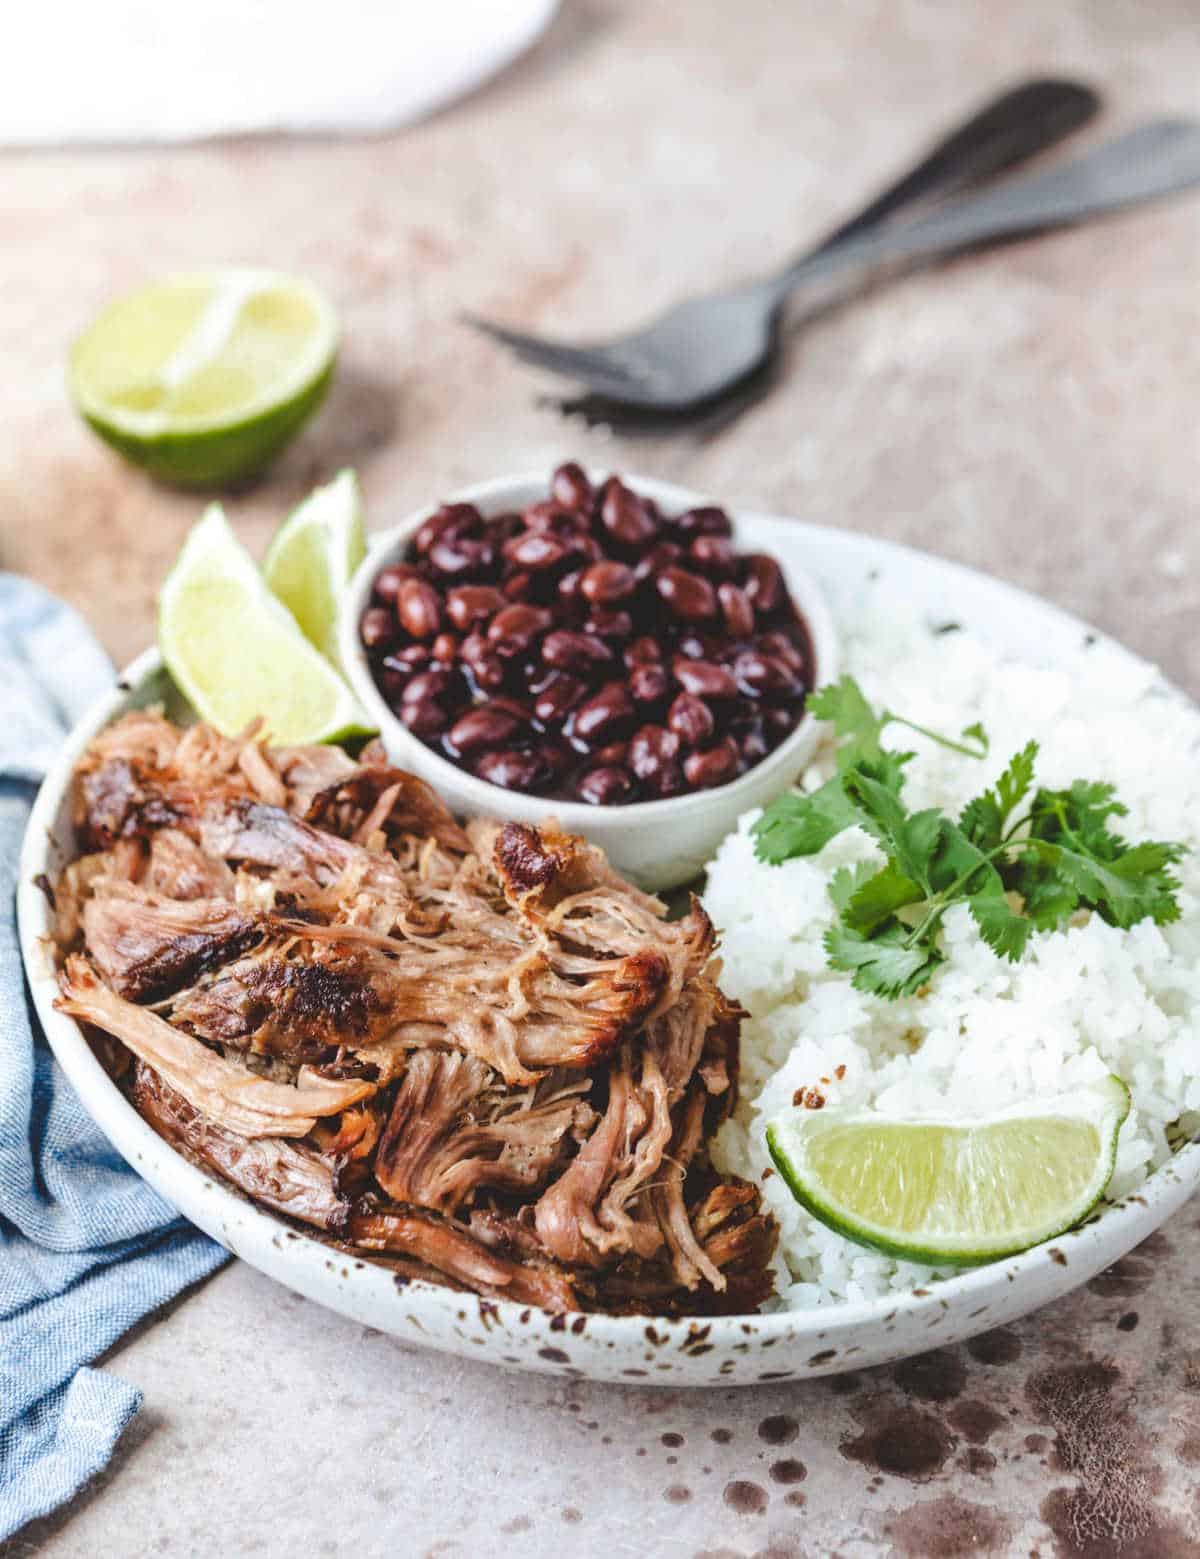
{"type": "Point", "coordinates": [723, 1350]}
{"type": "Point", "coordinates": [508, 492]}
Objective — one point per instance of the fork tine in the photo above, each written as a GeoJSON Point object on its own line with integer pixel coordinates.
{"type": "Point", "coordinates": [588, 364]}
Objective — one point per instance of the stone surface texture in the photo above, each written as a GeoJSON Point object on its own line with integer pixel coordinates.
{"type": "Point", "coordinates": [1032, 412]}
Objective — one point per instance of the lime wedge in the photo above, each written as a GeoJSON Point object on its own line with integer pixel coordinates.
{"type": "Point", "coordinates": [952, 1193]}
{"type": "Point", "coordinates": [313, 555]}
{"type": "Point", "coordinates": [236, 652]}
{"type": "Point", "coordinates": [204, 378]}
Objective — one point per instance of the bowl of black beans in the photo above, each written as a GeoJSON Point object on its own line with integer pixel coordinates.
{"type": "Point", "coordinates": [614, 652]}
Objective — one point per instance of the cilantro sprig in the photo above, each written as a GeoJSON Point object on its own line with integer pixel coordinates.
{"type": "Point", "coordinates": [1022, 858]}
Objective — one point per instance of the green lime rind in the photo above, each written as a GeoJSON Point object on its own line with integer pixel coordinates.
{"type": "Point", "coordinates": [236, 653]}
{"type": "Point", "coordinates": [314, 555]}
{"type": "Point", "coordinates": [218, 456]}
{"type": "Point", "coordinates": [1105, 1109]}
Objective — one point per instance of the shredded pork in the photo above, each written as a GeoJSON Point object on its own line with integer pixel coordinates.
{"type": "Point", "coordinates": [476, 1052]}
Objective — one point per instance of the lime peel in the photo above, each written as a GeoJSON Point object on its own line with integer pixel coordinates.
{"type": "Point", "coordinates": [236, 652]}
{"type": "Point", "coordinates": [953, 1192]}
{"type": "Point", "coordinates": [313, 557]}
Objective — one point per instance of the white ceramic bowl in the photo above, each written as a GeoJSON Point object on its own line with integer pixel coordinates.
{"type": "Point", "coordinates": [659, 844]}
{"type": "Point", "coordinates": [723, 1351]}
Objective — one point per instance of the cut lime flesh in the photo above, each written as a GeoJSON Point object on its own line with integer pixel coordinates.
{"type": "Point", "coordinates": [237, 653]}
{"type": "Point", "coordinates": [953, 1193]}
{"type": "Point", "coordinates": [313, 556]}
{"type": "Point", "coordinates": [202, 379]}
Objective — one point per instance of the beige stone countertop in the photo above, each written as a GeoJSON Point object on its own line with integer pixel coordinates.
{"type": "Point", "coordinates": [1032, 411]}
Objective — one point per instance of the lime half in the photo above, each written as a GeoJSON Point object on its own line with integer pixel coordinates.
{"type": "Point", "coordinates": [204, 378]}
{"type": "Point", "coordinates": [952, 1193]}
{"type": "Point", "coordinates": [236, 652]}
{"type": "Point", "coordinates": [313, 555]}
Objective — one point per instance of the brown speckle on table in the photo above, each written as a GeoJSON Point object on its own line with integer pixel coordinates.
{"type": "Point", "coordinates": [748, 1499]}
{"type": "Point", "coordinates": [895, 1438]}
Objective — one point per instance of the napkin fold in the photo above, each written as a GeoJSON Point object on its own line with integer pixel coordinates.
{"type": "Point", "coordinates": [86, 1247]}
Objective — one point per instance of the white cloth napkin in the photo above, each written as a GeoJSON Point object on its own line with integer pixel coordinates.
{"type": "Point", "coordinates": [109, 71]}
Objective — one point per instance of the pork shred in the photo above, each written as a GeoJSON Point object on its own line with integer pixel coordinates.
{"type": "Point", "coordinates": [472, 1052]}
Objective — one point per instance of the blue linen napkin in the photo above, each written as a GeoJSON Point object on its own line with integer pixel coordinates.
{"type": "Point", "coordinates": [86, 1247]}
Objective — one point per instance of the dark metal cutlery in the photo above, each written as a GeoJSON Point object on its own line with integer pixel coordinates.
{"type": "Point", "coordinates": [705, 347]}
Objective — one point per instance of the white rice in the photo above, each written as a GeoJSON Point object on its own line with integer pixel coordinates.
{"type": "Point", "coordinates": [1082, 1002]}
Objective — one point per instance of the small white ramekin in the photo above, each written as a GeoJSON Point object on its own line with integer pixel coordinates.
{"type": "Point", "coordinates": [659, 844]}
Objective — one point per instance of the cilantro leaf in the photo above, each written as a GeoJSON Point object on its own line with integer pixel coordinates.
{"type": "Point", "coordinates": [1137, 884]}
{"type": "Point", "coordinates": [884, 964]}
{"type": "Point", "coordinates": [985, 819]}
{"type": "Point", "coordinates": [844, 705]}
{"type": "Point", "coordinates": [796, 824]}
{"type": "Point", "coordinates": [909, 838]}
{"type": "Point", "coordinates": [1072, 852]}
{"type": "Point", "coordinates": [1004, 931]}
{"type": "Point", "coordinates": [878, 897]}
{"type": "Point", "coordinates": [846, 882]}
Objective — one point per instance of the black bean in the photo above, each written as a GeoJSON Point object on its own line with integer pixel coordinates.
{"type": "Point", "coordinates": [603, 715]}
{"type": "Point", "coordinates": [468, 604]}
{"type": "Point", "coordinates": [378, 628]}
{"type": "Point", "coordinates": [778, 721]}
{"type": "Point", "coordinates": [691, 719]}
{"type": "Point", "coordinates": [513, 770]}
{"type": "Point", "coordinates": [652, 563]}
{"type": "Point", "coordinates": [513, 630]}
{"type": "Point", "coordinates": [705, 521]}
{"type": "Point", "coordinates": [535, 551]}
{"type": "Point", "coordinates": [651, 749]}
{"type": "Point", "coordinates": [785, 648]}
{"type": "Point", "coordinates": [764, 583]}
{"type": "Point", "coordinates": [388, 581]}
{"type": "Point", "coordinates": [689, 596]}
{"type": "Point", "coordinates": [557, 698]}
{"type": "Point", "coordinates": [713, 555]}
{"type": "Point", "coordinates": [568, 586]}
{"type": "Point", "coordinates": [567, 650]}
{"type": "Point", "coordinates": [424, 716]}
{"type": "Point", "coordinates": [625, 516]}
{"type": "Point", "coordinates": [487, 725]}
{"type": "Point", "coordinates": [604, 584]}
{"type": "Point", "coordinates": [704, 678]}
{"type": "Point", "coordinates": [713, 766]}
{"type": "Point", "coordinates": [459, 556]}
{"type": "Point", "coordinates": [757, 673]}
{"type": "Point", "coordinates": [643, 652]}
{"type": "Point", "coordinates": [606, 786]}
{"type": "Point", "coordinates": [737, 610]}
{"type": "Point", "coordinates": [570, 487]}
{"type": "Point", "coordinates": [547, 515]}
{"type": "Point", "coordinates": [419, 609]}
{"type": "Point", "coordinates": [485, 666]}
{"type": "Point", "coordinates": [613, 626]}
{"type": "Point", "coordinates": [426, 686]}
{"type": "Point", "coordinates": [649, 684]}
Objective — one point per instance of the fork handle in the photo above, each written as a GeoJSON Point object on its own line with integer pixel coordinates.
{"type": "Point", "coordinates": [1006, 131]}
{"type": "Point", "coordinates": [1153, 160]}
